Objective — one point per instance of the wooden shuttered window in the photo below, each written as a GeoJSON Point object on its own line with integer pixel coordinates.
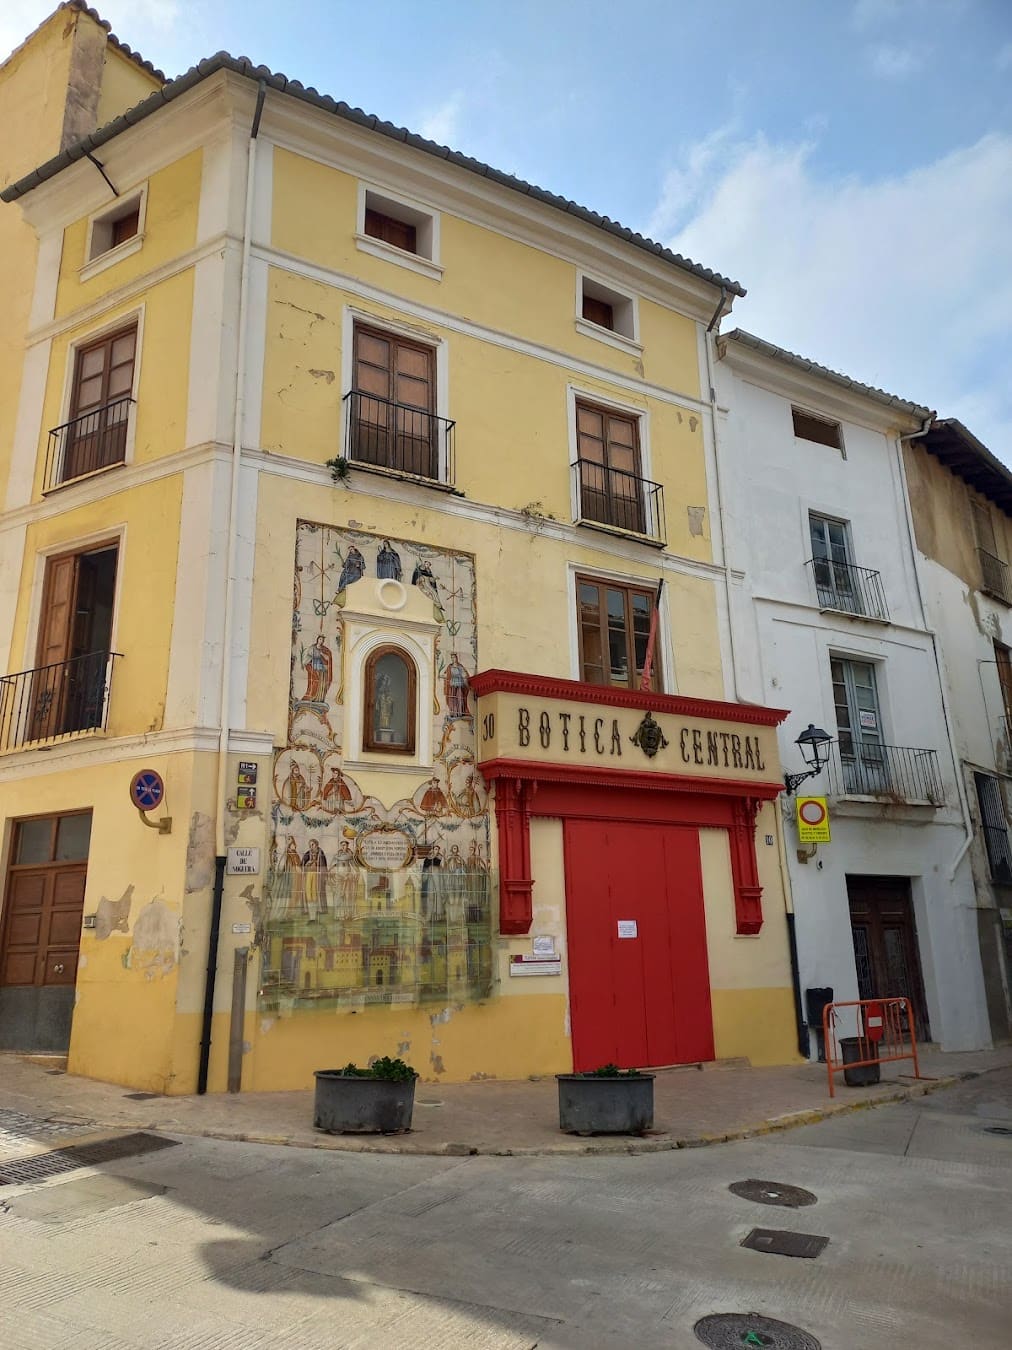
{"type": "Point", "coordinates": [75, 634]}
{"type": "Point", "coordinates": [599, 312]}
{"type": "Point", "coordinates": [608, 452]}
{"type": "Point", "coordinates": [393, 423]}
{"type": "Point", "coordinates": [100, 404]}
{"type": "Point", "coordinates": [614, 622]}
{"type": "Point", "coordinates": [391, 231]}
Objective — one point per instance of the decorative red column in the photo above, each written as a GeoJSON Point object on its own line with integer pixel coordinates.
{"type": "Point", "coordinates": [748, 907]}
{"type": "Point", "coordinates": [512, 809]}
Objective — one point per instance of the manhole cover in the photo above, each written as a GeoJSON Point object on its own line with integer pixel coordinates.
{"type": "Point", "coordinates": [1004, 1130]}
{"type": "Point", "coordinates": [779, 1242]}
{"type": "Point", "coordinates": [773, 1193]}
{"type": "Point", "coordinates": [731, 1331]}
{"type": "Point", "coordinates": [60, 1160]}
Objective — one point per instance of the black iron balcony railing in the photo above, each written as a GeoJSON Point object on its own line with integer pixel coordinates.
{"type": "Point", "coordinates": [95, 440]}
{"type": "Point", "coordinates": [619, 500]}
{"type": "Point", "coordinates": [895, 773]}
{"type": "Point", "coordinates": [994, 576]}
{"type": "Point", "coordinates": [399, 438]}
{"type": "Point", "coordinates": [52, 702]}
{"type": "Point", "coordinates": [854, 590]}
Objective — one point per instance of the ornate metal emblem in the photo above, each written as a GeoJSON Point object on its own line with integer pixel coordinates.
{"type": "Point", "coordinates": [649, 736]}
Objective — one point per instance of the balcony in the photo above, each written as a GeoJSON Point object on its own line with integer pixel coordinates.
{"type": "Point", "coordinates": [52, 703]}
{"type": "Point", "coordinates": [398, 439]}
{"type": "Point", "coordinates": [95, 440]}
{"type": "Point", "coordinates": [994, 576]}
{"type": "Point", "coordinates": [849, 589]}
{"type": "Point", "coordinates": [891, 773]}
{"type": "Point", "coordinates": [613, 499]}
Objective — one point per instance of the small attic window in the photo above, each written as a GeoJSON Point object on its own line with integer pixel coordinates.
{"type": "Point", "coordinates": [821, 430]}
{"type": "Point", "coordinates": [400, 224]}
{"type": "Point", "coordinates": [606, 309]}
{"type": "Point", "coordinates": [116, 226]}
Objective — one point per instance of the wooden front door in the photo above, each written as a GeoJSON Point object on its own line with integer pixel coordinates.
{"type": "Point", "coordinates": [885, 943]}
{"type": "Point", "coordinates": [639, 981]}
{"type": "Point", "coordinates": [40, 931]}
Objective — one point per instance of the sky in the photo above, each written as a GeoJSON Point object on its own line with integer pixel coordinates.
{"type": "Point", "coordinates": [848, 161]}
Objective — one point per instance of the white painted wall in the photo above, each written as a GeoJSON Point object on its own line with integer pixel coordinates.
{"type": "Point", "coordinates": [772, 481]}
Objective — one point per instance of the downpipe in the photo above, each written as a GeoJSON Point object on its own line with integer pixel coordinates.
{"type": "Point", "coordinates": [226, 668]}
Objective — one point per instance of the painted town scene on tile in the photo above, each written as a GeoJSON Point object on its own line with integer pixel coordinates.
{"type": "Point", "coordinates": [374, 895]}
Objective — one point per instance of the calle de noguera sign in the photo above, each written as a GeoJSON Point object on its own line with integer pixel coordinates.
{"type": "Point", "coordinates": [518, 726]}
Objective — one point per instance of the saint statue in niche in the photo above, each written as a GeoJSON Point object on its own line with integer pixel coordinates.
{"type": "Point", "coordinates": [456, 686]}
{"type": "Point", "coordinates": [296, 790]}
{"type": "Point", "coordinates": [390, 684]}
{"type": "Point", "coordinates": [318, 664]}
{"type": "Point", "coordinates": [336, 794]}
{"type": "Point", "coordinates": [353, 569]}
{"type": "Point", "coordinates": [388, 563]}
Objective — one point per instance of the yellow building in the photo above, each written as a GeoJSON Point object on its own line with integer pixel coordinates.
{"type": "Point", "coordinates": [341, 474]}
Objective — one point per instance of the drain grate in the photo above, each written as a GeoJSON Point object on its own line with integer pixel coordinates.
{"type": "Point", "coordinates": [731, 1331]}
{"type": "Point", "coordinates": [62, 1160]}
{"type": "Point", "coordinates": [1005, 1131]}
{"type": "Point", "coordinates": [772, 1193]}
{"type": "Point", "coordinates": [779, 1242]}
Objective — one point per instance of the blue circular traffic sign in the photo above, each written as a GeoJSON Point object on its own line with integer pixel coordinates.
{"type": "Point", "coordinates": [147, 790]}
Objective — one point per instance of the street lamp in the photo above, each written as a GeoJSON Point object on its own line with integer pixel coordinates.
{"type": "Point", "coordinates": [814, 744]}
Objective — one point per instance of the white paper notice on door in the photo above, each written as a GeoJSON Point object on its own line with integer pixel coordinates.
{"type": "Point", "coordinates": [627, 928]}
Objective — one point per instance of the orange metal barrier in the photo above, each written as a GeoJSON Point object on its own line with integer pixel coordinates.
{"type": "Point", "coordinates": [884, 1032]}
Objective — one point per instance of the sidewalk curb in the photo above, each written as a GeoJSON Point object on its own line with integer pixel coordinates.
{"type": "Point", "coordinates": [405, 1146]}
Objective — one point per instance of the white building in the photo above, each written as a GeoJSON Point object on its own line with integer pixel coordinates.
{"type": "Point", "coordinates": [830, 624]}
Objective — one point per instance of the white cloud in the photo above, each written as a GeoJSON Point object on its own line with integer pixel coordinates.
{"type": "Point", "coordinates": [442, 124]}
{"type": "Point", "coordinates": [894, 63]}
{"type": "Point", "coordinates": [903, 282]}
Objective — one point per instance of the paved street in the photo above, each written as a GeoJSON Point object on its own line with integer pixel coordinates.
{"type": "Point", "coordinates": [208, 1243]}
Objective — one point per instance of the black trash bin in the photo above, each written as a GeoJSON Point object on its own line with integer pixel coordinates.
{"type": "Point", "coordinates": [853, 1048]}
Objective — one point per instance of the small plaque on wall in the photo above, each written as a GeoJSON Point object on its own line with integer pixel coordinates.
{"type": "Point", "coordinates": [627, 928]}
{"type": "Point", "coordinates": [535, 965]}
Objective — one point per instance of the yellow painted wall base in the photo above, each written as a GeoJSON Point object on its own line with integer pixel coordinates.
{"type": "Point", "coordinates": [755, 1023]}
{"type": "Point", "coordinates": [507, 1038]}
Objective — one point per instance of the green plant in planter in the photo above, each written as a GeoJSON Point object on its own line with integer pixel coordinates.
{"type": "Point", "coordinates": [340, 469]}
{"type": "Point", "coordinates": [612, 1071]}
{"type": "Point", "coordinates": [387, 1069]}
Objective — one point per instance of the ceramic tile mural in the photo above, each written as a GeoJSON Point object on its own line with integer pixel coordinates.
{"type": "Point", "coordinates": [371, 900]}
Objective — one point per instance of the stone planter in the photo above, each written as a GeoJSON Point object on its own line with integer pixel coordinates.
{"type": "Point", "coordinates": [352, 1104]}
{"type": "Point", "coordinates": [592, 1105]}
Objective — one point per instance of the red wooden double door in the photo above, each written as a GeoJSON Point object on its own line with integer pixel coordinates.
{"type": "Point", "coordinates": [639, 977]}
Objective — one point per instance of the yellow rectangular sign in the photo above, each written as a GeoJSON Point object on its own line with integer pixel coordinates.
{"type": "Point", "coordinates": [813, 820]}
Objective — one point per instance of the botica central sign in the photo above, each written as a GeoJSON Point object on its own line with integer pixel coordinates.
{"type": "Point", "coordinates": [521, 727]}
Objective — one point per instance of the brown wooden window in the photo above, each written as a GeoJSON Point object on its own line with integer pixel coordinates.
{"type": "Point", "coordinates": [819, 429]}
{"type": "Point", "coordinates": [95, 436]}
{"type": "Point", "coordinates": [388, 722]}
{"type": "Point", "coordinates": [126, 227]}
{"type": "Point", "coordinates": [608, 454]}
{"type": "Point", "coordinates": [614, 631]}
{"type": "Point", "coordinates": [599, 312]}
{"type": "Point", "coordinates": [75, 634]}
{"type": "Point", "coordinates": [391, 231]}
{"type": "Point", "coordinates": [393, 423]}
